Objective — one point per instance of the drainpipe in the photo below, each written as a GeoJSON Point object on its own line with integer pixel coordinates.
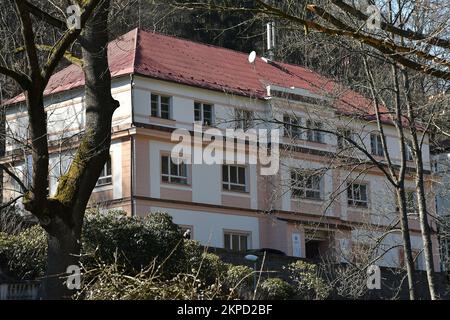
{"type": "Point", "coordinates": [133, 153]}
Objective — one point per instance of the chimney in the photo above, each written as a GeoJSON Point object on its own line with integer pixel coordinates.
{"type": "Point", "coordinates": [271, 39]}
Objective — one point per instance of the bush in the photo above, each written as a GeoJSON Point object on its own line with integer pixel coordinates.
{"type": "Point", "coordinates": [307, 281]}
{"type": "Point", "coordinates": [24, 255]}
{"type": "Point", "coordinates": [136, 243]}
{"type": "Point", "coordinates": [277, 289]}
{"type": "Point", "coordinates": [112, 283]}
{"type": "Point", "coordinates": [13, 221]}
{"type": "Point", "coordinates": [206, 267]}
{"type": "Point", "coordinates": [239, 276]}
{"type": "Point", "coordinates": [239, 281]}
{"type": "Point", "coordinates": [121, 247]}
{"type": "Point", "coordinates": [107, 238]}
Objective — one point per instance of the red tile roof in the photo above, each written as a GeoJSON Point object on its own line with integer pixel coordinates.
{"type": "Point", "coordinates": [173, 59]}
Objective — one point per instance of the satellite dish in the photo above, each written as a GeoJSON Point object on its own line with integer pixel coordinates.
{"type": "Point", "coordinates": [252, 57]}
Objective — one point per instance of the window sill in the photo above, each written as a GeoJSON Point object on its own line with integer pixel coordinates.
{"type": "Point", "coordinates": [103, 187]}
{"type": "Point", "coordinates": [360, 208]}
{"type": "Point", "coordinates": [163, 119]}
{"type": "Point", "coordinates": [176, 184]}
{"type": "Point", "coordinates": [295, 141]}
{"type": "Point", "coordinates": [315, 200]}
{"type": "Point", "coordinates": [236, 192]}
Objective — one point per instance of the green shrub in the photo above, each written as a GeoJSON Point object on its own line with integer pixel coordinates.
{"type": "Point", "coordinates": [207, 267]}
{"type": "Point", "coordinates": [307, 281]}
{"type": "Point", "coordinates": [135, 242]}
{"type": "Point", "coordinates": [24, 255]}
{"type": "Point", "coordinates": [239, 276]}
{"type": "Point", "coordinates": [107, 238]}
{"type": "Point", "coordinates": [277, 289]}
{"type": "Point", "coordinates": [239, 282]}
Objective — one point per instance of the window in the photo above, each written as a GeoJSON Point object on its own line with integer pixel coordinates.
{"type": "Point", "coordinates": [106, 174]}
{"type": "Point", "coordinates": [342, 141]}
{"type": "Point", "coordinates": [244, 119]}
{"type": "Point", "coordinates": [291, 126]}
{"type": "Point", "coordinates": [357, 195]}
{"type": "Point", "coordinates": [409, 151]}
{"type": "Point", "coordinates": [234, 178]}
{"type": "Point", "coordinates": [160, 106]}
{"type": "Point", "coordinates": [236, 241]}
{"type": "Point", "coordinates": [306, 185]}
{"type": "Point", "coordinates": [172, 172]}
{"type": "Point", "coordinates": [376, 146]}
{"type": "Point", "coordinates": [411, 202]}
{"type": "Point", "coordinates": [311, 133]}
{"type": "Point", "coordinates": [204, 113]}
{"type": "Point", "coordinates": [29, 171]}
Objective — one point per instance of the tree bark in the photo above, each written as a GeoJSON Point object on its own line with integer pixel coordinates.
{"type": "Point", "coordinates": [407, 252]}
{"type": "Point", "coordinates": [63, 251]}
{"type": "Point", "coordinates": [420, 191]}
{"type": "Point", "coordinates": [67, 208]}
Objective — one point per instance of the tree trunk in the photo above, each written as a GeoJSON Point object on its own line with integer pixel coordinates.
{"type": "Point", "coordinates": [420, 190]}
{"type": "Point", "coordinates": [67, 208]}
{"type": "Point", "coordinates": [425, 228]}
{"type": "Point", "coordinates": [63, 251]}
{"type": "Point", "coordinates": [407, 252]}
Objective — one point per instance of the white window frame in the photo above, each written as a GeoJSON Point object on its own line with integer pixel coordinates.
{"type": "Point", "coordinates": [228, 185]}
{"type": "Point", "coordinates": [376, 145]}
{"type": "Point", "coordinates": [312, 134]}
{"type": "Point", "coordinates": [409, 151]}
{"type": "Point", "coordinates": [352, 195]}
{"type": "Point", "coordinates": [105, 179]}
{"type": "Point", "coordinates": [412, 205]}
{"type": "Point", "coordinates": [342, 143]}
{"type": "Point", "coordinates": [299, 185]}
{"type": "Point", "coordinates": [159, 104]}
{"type": "Point", "coordinates": [243, 119]}
{"type": "Point", "coordinates": [202, 113]}
{"type": "Point", "coordinates": [240, 235]}
{"type": "Point", "coordinates": [291, 126]}
{"type": "Point", "coordinates": [173, 178]}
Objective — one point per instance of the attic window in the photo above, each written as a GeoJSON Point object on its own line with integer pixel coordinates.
{"type": "Point", "coordinates": [160, 106]}
{"type": "Point", "coordinates": [203, 113]}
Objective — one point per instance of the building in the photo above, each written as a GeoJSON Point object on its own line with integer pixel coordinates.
{"type": "Point", "coordinates": [165, 83]}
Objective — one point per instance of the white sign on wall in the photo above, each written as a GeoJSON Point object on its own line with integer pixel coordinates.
{"type": "Point", "coordinates": [296, 245]}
